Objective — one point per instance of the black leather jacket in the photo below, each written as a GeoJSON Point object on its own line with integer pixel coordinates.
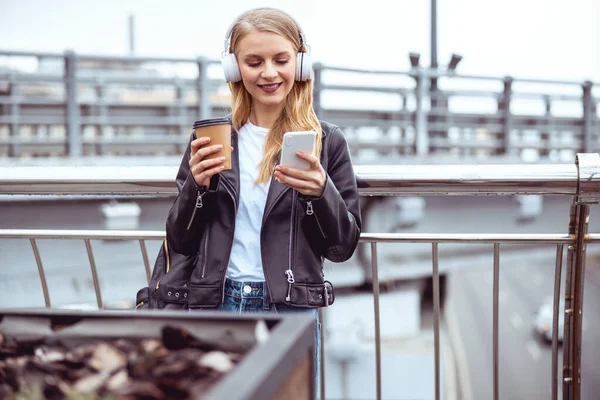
{"type": "Point", "coordinates": [297, 232]}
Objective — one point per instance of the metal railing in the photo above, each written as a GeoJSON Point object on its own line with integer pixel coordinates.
{"type": "Point", "coordinates": [95, 104]}
{"type": "Point", "coordinates": [581, 181]}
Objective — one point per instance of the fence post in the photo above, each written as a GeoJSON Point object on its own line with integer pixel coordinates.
{"type": "Point", "coordinates": [504, 107]}
{"type": "Point", "coordinates": [318, 89]}
{"type": "Point", "coordinates": [181, 115]}
{"type": "Point", "coordinates": [588, 168]}
{"type": "Point", "coordinates": [588, 111]}
{"type": "Point", "coordinates": [14, 127]}
{"type": "Point", "coordinates": [202, 89]}
{"type": "Point", "coordinates": [73, 117]}
{"type": "Point", "coordinates": [421, 133]}
{"type": "Point", "coordinates": [545, 133]}
{"type": "Point", "coordinates": [101, 114]}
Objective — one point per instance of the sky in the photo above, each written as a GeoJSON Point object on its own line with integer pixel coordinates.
{"type": "Point", "coordinates": [545, 39]}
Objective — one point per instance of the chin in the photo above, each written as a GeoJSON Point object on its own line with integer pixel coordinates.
{"type": "Point", "coordinates": [272, 102]}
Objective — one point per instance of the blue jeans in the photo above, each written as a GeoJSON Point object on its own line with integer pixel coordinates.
{"type": "Point", "coordinates": [243, 297]}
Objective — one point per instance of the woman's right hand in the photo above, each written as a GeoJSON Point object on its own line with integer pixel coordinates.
{"type": "Point", "coordinates": [203, 169]}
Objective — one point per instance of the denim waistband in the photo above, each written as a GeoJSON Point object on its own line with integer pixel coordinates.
{"type": "Point", "coordinates": [248, 290]}
{"type": "Point", "coordinates": [245, 289]}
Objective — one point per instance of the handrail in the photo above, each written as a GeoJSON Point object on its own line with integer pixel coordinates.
{"type": "Point", "coordinates": [478, 238]}
{"type": "Point", "coordinates": [404, 180]}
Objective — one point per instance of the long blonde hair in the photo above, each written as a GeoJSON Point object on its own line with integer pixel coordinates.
{"type": "Point", "coordinates": [297, 113]}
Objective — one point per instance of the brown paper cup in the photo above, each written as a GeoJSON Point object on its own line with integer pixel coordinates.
{"type": "Point", "coordinates": [219, 133]}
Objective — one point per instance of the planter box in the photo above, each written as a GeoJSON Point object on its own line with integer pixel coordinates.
{"type": "Point", "coordinates": [277, 350]}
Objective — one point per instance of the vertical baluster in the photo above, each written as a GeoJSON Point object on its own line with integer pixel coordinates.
{"type": "Point", "coordinates": [436, 317]}
{"type": "Point", "coordinates": [146, 261]}
{"type": "Point", "coordinates": [557, 275]}
{"type": "Point", "coordinates": [322, 358]}
{"type": "Point", "coordinates": [88, 246]}
{"type": "Point", "coordinates": [377, 323]}
{"type": "Point", "coordinates": [38, 260]}
{"type": "Point", "coordinates": [495, 328]}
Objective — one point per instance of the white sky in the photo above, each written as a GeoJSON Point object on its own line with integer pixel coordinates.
{"type": "Point", "coordinates": [553, 39]}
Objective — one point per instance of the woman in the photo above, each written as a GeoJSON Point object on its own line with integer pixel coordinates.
{"type": "Point", "coordinates": [261, 230]}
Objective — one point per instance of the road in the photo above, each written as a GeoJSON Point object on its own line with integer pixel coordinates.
{"type": "Point", "coordinates": [524, 358]}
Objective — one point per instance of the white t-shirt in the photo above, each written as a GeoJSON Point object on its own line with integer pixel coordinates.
{"type": "Point", "coordinates": [245, 263]}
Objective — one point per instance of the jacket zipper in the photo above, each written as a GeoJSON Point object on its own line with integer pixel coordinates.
{"type": "Point", "coordinates": [205, 246]}
{"type": "Point", "coordinates": [167, 256]}
{"type": "Point", "coordinates": [310, 211]}
{"type": "Point", "coordinates": [168, 267]}
{"type": "Point", "coordinates": [196, 207]}
{"type": "Point", "coordinates": [290, 271]}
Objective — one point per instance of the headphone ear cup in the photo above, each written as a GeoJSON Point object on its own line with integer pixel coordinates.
{"type": "Point", "coordinates": [231, 70]}
{"type": "Point", "coordinates": [303, 67]}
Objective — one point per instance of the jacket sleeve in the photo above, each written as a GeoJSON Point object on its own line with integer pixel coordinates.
{"type": "Point", "coordinates": [338, 209]}
{"type": "Point", "coordinates": [190, 210]}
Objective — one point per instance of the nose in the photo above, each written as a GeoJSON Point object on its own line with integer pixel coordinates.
{"type": "Point", "coordinates": [269, 72]}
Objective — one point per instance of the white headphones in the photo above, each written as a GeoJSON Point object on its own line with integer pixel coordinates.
{"type": "Point", "coordinates": [231, 68]}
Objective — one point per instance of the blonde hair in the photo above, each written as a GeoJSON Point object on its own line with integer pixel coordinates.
{"type": "Point", "coordinates": [297, 113]}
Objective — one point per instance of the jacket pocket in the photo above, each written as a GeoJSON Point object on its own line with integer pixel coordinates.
{"type": "Point", "coordinates": [204, 295]}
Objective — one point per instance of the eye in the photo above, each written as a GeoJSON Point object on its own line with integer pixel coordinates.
{"type": "Point", "coordinates": [253, 64]}
{"type": "Point", "coordinates": [282, 62]}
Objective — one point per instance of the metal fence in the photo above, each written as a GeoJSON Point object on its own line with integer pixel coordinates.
{"type": "Point", "coordinates": [579, 180]}
{"type": "Point", "coordinates": [75, 104]}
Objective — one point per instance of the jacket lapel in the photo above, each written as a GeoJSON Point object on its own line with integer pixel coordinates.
{"type": "Point", "coordinates": [232, 176]}
{"type": "Point", "coordinates": [276, 191]}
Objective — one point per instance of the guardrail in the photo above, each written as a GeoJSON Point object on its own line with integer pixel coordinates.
{"type": "Point", "coordinates": [581, 181]}
{"type": "Point", "coordinates": [95, 105]}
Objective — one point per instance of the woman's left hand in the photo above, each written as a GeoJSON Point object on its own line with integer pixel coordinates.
{"type": "Point", "coordinates": [309, 183]}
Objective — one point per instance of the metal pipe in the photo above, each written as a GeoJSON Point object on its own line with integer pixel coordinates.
{"type": "Point", "coordinates": [81, 234]}
{"type": "Point", "coordinates": [567, 339]}
{"type": "Point", "coordinates": [477, 238]}
{"type": "Point", "coordinates": [577, 304]}
{"type": "Point", "coordinates": [95, 280]}
{"type": "Point", "coordinates": [375, 280]}
{"type": "Point", "coordinates": [555, 316]}
{"type": "Point", "coordinates": [322, 358]}
{"type": "Point", "coordinates": [146, 260]}
{"type": "Point", "coordinates": [38, 260]}
{"type": "Point", "coordinates": [495, 317]}
{"type": "Point", "coordinates": [406, 180]}
{"type": "Point", "coordinates": [436, 317]}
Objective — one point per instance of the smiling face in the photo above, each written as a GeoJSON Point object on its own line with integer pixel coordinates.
{"type": "Point", "coordinates": [267, 63]}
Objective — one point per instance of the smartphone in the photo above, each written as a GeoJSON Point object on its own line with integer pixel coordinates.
{"type": "Point", "coordinates": [297, 141]}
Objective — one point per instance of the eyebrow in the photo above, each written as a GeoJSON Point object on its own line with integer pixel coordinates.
{"type": "Point", "coordinates": [287, 53]}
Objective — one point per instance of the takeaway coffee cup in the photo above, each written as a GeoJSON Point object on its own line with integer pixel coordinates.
{"type": "Point", "coordinates": [219, 132]}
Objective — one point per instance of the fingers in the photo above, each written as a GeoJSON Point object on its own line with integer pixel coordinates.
{"type": "Point", "coordinates": [311, 158]}
{"type": "Point", "coordinates": [197, 143]}
{"type": "Point", "coordinates": [204, 170]}
{"type": "Point", "coordinates": [298, 184]}
{"type": "Point", "coordinates": [311, 174]}
{"type": "Point", "coordinates": [203, 152]}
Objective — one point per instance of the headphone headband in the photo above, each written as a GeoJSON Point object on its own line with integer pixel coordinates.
{"type": "Point", "coordinates": [227, 42]}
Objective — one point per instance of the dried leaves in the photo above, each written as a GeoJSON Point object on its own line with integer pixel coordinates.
{"type": "Point", "coordinates": [179, 366]}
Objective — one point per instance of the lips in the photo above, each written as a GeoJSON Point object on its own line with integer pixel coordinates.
{"type": "Point", "coordinates": [270, 88]}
